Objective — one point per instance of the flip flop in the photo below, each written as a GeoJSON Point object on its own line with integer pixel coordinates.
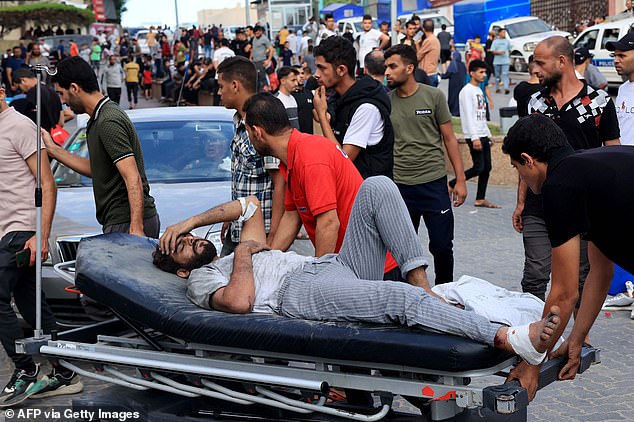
{"type": "Point", "coordinates": [486, 204]}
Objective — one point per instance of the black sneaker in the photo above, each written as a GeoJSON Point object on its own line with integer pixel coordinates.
{"type": "Point", "coordinates": [17, 389]}
{"type": "Point", "coordinates": [56, 385]}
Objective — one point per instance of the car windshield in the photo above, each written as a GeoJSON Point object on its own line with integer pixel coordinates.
{"type": "Point", "coordinates": [173, 152]}
{"type": "Point", "coordinates": [533, 26]}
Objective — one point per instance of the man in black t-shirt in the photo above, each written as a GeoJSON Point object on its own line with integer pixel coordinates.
{"type": "Point", "coordinates": [240, 45]}
{"type": "Point", "coordinates": [586, 195]}
{"type": "Point", "coordinates": [304, 98]}
{"type": "Point", "coordinates": [588, 119]}
{"type": "Point", "coordinates": [525, 89]}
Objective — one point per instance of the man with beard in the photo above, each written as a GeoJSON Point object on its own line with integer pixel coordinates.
{"type": "Point", "coordinates": [359, 109]}
{"type": "Point", "coordinates": [122, 193]}
{"type": "Point", "coordinates": [35, 57]}
{"type": "Point", "coordinates": [588, 119]}
{"type": "Point", "coordinates": [422, 123]}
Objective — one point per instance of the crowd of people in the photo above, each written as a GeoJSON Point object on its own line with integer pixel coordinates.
{"type": "Point", "coordinates": [384, 129]}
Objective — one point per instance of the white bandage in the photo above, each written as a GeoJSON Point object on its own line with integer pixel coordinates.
{"type": "Point", "coordinates": [247, 210]}
{"type": "Point", "coordinates": [520, 341]}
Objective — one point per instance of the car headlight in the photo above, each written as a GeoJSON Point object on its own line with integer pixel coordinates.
{"type": "Point", "coordinates": [529, 46]}
{"type": "Point", "coordinates": [210, 233]}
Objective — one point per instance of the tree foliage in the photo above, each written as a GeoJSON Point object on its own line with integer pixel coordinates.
{"type": "Point", "coordinates": [54, 14]}
{"type": "Point", "coordinates": [119, 6]}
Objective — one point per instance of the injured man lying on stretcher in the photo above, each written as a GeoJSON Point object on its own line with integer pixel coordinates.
{"type": "Point", "coordinates": [337, 287]}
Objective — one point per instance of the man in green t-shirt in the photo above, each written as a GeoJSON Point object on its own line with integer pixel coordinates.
{"type": "Point", "coordinates": [121, 190]}
{"type": "Point", "coordinates": [422, 124]}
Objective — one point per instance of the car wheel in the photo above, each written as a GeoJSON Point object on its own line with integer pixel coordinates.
{"type": "Point", "coordinates": [519, 65]}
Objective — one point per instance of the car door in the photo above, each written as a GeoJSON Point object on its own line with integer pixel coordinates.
{"type": "Point", "coordinates": [603, 58]}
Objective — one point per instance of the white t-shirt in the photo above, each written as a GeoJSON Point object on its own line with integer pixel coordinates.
{"type": "Point", "coordinates": [270, 268]}
{"type": "Point", "coordinates": [290, 104]}
{"type": "Point", "coordinates": [291, 39]}
{"type": "Point", "coordinates": [473, 112]}
{"type": "Point", "coordinates": [323, 34]}
{"type": "Point", "coordinates": [368, 41]}
{"type": "Point", "coordinates": [625, 112]}
{"type": "Point", "coordinates": [366, 127]}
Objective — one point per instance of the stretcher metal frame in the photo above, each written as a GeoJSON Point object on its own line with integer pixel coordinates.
{"type": "Point", "coordinates": [269, 378]}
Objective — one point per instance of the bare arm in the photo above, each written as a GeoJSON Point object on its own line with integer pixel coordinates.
{"type": "Point", "coordinates": [239, 295]}
{"type": "Point", "coordinates": [279, 189]}
{"type": "Point", "coordinates": [612, 142]}
{"type": "Point", "coordinates": [49, 197]}
{"type": "Point", "coordinates": [385, 40]}
{"type": "Point", "coordinates": [130, 174]}
{"type": "Point", "coordinates": [286, 231]}
{"type": "Point", "coordinates": [326, 232]}
{"type": "Point", "coordinates": [522, 191]}
{"type": "Point", "coordinates": [451, 145]}
{"type": "Point", "coordinates": [79, 164]}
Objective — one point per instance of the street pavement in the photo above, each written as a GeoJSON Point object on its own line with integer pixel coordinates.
{"type": "Point", "coordinates": [486, 246]}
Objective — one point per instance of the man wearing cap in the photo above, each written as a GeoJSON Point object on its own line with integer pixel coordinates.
{"type": "Point", "coordinates": [584, 66]}
{"type": "Point", "coordinates": [624, 64]}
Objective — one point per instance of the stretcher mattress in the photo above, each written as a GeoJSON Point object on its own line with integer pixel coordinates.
{"type": "Point", "coordinates": [117, 271]}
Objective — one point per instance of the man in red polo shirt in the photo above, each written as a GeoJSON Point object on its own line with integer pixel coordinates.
{"type": "Point", "coordinates": [321, 181]}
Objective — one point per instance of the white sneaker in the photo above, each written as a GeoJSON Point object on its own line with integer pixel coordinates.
{"type": "Point", "coordinates": [620, 301]}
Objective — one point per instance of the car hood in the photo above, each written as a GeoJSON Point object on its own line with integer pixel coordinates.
{"type": "Point", "coordinates": [75, 212]}
{"type": "Point", "coordinates": [538, 37]}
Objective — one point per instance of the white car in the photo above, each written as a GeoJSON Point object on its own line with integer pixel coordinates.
{"type": "Point", "coordinates": [438, 19]}
{"type": "Point", "coordinates": [354, 24]}
{"type": "Point", "coordinates": [141, 38]}
{"type": "Point", "coordinates": [595, 39]}
{"type": "Point", "coordinates": [524, 33]}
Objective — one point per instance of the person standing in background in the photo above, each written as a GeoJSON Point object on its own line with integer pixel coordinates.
{"type": "Point", "coordinates": [624, 64]}
{"type": "Point", "coordinates": [428, 53]}
{"type": "Point", "coordinates": [446, 45]}
{"type": "Point", "coordinates": [501, 50]}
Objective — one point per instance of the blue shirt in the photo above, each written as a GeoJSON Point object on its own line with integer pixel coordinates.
{"type": "Point", "coordinates": [501, 45]}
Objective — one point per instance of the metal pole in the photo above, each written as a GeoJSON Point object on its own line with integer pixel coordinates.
{"type": "Point", "coordinates": [247, 12]}
{"type": "Point", "coordinates": [177, 29]}
{"type": "Point", "coordinates": [393, 14]}
{"type": "Point", "coordinates": [38, 211]}
{"type": "Point", "coordinates": [37, 333]}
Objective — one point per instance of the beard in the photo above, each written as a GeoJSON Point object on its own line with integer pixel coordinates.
{"type": "Point", "coordinates": [395, 84]}
{"type": "Point", "coordinates": [551, 80]}
{"type": "Point", "coordinates": [205, 257]}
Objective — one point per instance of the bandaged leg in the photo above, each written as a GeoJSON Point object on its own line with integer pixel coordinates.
{"type": "Point", "coordinates": [519, 339]}
{"type": "Point", "coordinates": [531, 341]}
{"type": "Point", "coordinates": [248, 209]}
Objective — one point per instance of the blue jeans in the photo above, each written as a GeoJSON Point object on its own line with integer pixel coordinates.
{"type": "Point", "coordinates": [209, 52]}
{"type": "Point", "coordinates": [433, 80]}
{"type": "Point", "coordinates": [501, 73]}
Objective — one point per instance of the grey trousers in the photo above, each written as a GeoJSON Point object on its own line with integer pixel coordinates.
{"type": "Point", "coordinates": [151, 227]}
{"type": "Point", "coordinates": [348, 286]}
{"type": "Point", "coordinates": [537, 261]}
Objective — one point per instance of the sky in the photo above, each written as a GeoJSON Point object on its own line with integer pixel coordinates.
{"type": "Point", "coordinates": [146, 12]}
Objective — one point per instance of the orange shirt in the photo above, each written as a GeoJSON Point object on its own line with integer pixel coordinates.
{"type": "Point", "coordinates": [431, 55]}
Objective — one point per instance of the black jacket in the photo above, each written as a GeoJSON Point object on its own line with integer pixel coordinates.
{"type": "Point", "coordinates": [376, 159]}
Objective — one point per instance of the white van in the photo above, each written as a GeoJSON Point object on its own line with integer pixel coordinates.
{"type": "Point", "coordinates": [524, 33]}
{"type": "Point", "coordinates": [596, 37]}
{"type": "Point", "coordinates": [438, 19]}
{"type": "Point", "coordinates": [141, 38]}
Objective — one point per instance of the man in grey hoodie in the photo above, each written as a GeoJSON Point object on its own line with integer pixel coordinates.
{"type": "Point", "coordinates": [111, 78]}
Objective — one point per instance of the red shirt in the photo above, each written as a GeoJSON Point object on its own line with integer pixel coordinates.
{"type": "Point", "coordinates": [147, 77]}
{"type": "Point", "coordinates": [320, 177]}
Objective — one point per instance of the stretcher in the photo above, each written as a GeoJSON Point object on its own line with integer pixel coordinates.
{"type": "Point", "coordinates": [266, 367]}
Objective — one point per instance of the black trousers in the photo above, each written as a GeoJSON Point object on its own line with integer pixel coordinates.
{"type": "Point", "coordinates": [19, 283]}
{"type": "Point", "coordinates": [133, 90]}
{"type": "Point", "coordinates": [481, 166]}
{"type": "Point", "coordinates": [431, 202]}
{"type": "Point", "coordinates": [114, 94]}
